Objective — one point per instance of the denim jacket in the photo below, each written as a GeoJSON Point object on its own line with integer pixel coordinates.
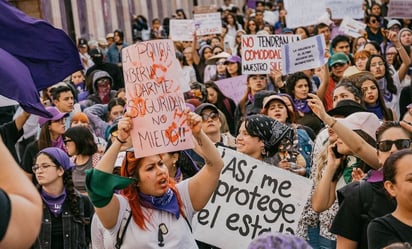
{"type": "Point", "coordinates": [76, 235]}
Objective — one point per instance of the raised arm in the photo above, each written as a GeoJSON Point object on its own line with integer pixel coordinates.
{"type": "Point", "coordinates": [108, 211]}
{"type": "Point", "coordinates": [358, 146]}
{"type": "Point", "coordinates": [25, 203]}
{"type": "Point", "coordinates": [325, 192]}
{"type": "Point", "coordinates": [324, 81]}
{"type": "Point", "coordinates": [406, 59]}
{"type": "Point", "coordinates": [202, 185]}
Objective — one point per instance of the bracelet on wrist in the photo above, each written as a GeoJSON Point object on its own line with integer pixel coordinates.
{"type": "Point", "coordinates": [398, 48]}
{"type": "Point", "coordinates": [120, 141]}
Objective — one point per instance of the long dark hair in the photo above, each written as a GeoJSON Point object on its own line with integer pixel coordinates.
{"type": "Point", "coordinates": [388, 76]}
{"type": "Point", "coordinates": [71, 194]}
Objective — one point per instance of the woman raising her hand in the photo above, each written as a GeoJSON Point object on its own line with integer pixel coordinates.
{"type": "Point", "coordinates": [161, 210]}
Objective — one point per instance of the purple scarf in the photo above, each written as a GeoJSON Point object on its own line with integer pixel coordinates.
{"type": "Point", "coordinates": [167, 202]}
{"type": "Point", "coordinates": [58, 143]}
{"type": "Point", "coordinates": [375, 175]}
{"type": "Point", "coordinates": [55, 203]}
{"type": "Point", "coordinates": [301, 105]}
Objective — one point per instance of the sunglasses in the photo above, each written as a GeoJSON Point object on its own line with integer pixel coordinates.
{"type": "Point", "coordinates": [374, 21]}
{"type": "Point", "coordinates": [338, 65]}
{"type": "Point", "coordinates": [212, 115]}
{"type": "Point", "coordinates": [217, 52]}
{"type": "Point", "coordinates": [386, 145]}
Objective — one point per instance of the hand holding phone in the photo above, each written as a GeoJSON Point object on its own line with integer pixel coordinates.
{"type": "Point", "coordinates": [336, 152]}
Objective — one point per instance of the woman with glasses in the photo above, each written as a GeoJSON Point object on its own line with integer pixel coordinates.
{"type": "Point", "coordinates": [356, 210]}
{"type": "Point", "coordinates": [350, 222]}
{"type": "Point", "coordinates": [51, 131]}
{"type": "Point", "coordinates": [390, 81]}
{"type": "Point", "coordinates": [159, 211]}
{"type": "Point", "coordinates": [82, 149]}
{"type": "Point", "coordinates": [251, 27]}
{"type": "Point", "coordinates": [396, 226]}
{"type": "Point", "coordinates": [373, 28]}
{"type": "Point", "coordinates": [66, 213]}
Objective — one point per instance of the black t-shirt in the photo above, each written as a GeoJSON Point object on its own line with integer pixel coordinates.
{"type": "Point", "coordinates": [386, 230]}
{"type": "Point", "coordinates": [5, 213]}
{"type": "Point", "coordinates": [351, 221]}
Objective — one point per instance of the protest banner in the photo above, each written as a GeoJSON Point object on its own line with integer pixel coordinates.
{"type": "Point", "coordinates": [182, 29]}
{"type": "Point", "coordinates": [304, 54]}
{"type": "Point", "coordinates": [400, 9]}
{"type": "Point", "coordinates": [252, 197]}
{"type": "Point", "coordinates": [351, 27]}
{"type": "Point", "coordinates": [208, 23]}
{"type": "Point", "coordinates": [234, 87]}
{"type": "Point", "coordinates": [303, 12]}
{"type": "Point", "coordinates": [342, 8]}
{"type": "Point", "coordinates": [154, 98]}
{"type": "Point", "coordinates": [262, 53]}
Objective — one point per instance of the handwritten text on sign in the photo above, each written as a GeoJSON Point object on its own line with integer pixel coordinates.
{"type": "Point", "coordinates": [252, 197]}
{"type": "Point", "coordinates": [262, 53]}
{"type": "Point", "coordinates": [155, 100]}
{"type": "Point", "coordinates": [304, 54]}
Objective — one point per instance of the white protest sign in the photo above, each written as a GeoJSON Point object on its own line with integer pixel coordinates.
{"type": "Point", "coordinates": [303, 12]}
{"type": "Point", "coordinates": [400, 9]}
{"type": "Point", "coordinates": [233, 87]}
{"type": "Point", "coordinates": [342, 8]}
{"type": "Point", "coordinates": [262, 53]}
{"type": "Point", "coordinates": [251, 197]}
{"type": "Point", "coordinates": [182, 29]}
{"type": "Point", "coordinates": [208, 23]}
{"type": "Point", "coordinates": [304, 54]}
{"type": "Point", "coordinates": [154, 98]}
{"type": "Point", "coordinates": [352, 27]}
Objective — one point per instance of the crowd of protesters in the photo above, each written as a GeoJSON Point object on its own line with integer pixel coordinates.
{"type": "Point", "coordinates": [346, 126]}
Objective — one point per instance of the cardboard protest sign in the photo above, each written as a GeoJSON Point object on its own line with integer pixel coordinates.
{"type": "Point", "coordinates": [251, 197]}
{"type": "Point", "coordinates": [342, 8]}
{"type": "Point", "coordinates": [303, 12]}
{"type": "Point", "coordinates": [154, 98]}
{"type": "Point", "coordinates": [351, 27]}
{"type": "Point", "coordinates": [400, 9]}
{"type": "Point", "coordinates": [234, 87]}
{"type": "Point", "coordinates": [208, 23]}
{"type": "Point", "coordinates": [304, 54]}
{"type": "Point", "coordinates": [182, 29]}
{"type": "Point", "coordinates": [262, 53]}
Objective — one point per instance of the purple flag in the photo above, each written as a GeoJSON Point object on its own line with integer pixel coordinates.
{"type": "Point", "coordinates": [35, 56]}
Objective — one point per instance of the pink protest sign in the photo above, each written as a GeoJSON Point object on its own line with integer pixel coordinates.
{"type": "Point", "coordinates": [154, 98]}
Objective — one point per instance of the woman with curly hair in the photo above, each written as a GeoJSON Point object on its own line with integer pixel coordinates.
{"type": "Point", "coordinates": [66, 213]}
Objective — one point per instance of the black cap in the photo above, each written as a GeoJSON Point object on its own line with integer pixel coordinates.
{"type": "Point", "coordinates": [203, 106]}
{"type": "Point", "coordinates": [346, 107]}
{"type": "Point", "coordinates": [82, 42]}
{"type": "Point", "coordinates": [95, 53]}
